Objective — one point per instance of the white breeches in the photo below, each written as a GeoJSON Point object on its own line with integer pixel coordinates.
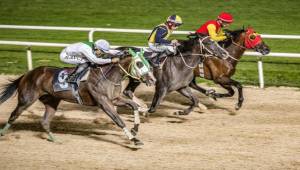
{"type": "Point", "coordinates": [71, 59]}
{"type": "Point", "coordinates": [162, 48]}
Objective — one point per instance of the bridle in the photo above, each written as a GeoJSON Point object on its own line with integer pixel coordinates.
{"type": "Point", "coordinates": [123, 70]}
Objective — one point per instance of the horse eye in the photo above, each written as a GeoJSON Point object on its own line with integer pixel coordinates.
{"type": "Point", "coordinates": [252, 37]}
{"type": "Point", "coordinates": [139, 64]}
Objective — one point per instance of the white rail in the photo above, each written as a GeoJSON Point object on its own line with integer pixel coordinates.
{"type": "Point", "coordinates": [92, 30]}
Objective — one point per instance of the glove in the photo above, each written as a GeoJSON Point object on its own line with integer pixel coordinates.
{"type": "Point", "coordinates": [228, 35]}
{"type": "Point", "coordinates": [115, 60]}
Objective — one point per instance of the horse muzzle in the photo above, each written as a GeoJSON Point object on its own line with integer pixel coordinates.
{"type": "Point", "coordinates": [263, 49]}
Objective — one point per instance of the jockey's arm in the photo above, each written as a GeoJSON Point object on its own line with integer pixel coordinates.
{"type": "Point", "coordinates": [160, 34]}
{"type": "Point", "coordinates": [213, 34]}
{"type": "Point", "coordinates": [92, 58]}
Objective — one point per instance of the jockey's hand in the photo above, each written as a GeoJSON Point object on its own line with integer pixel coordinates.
{"type": "Point", "coordinates": [115, 60]}
{"type": "Point", "coordinates": [228, 35]}
{"type": "Point", "coordinates": [175, 43]}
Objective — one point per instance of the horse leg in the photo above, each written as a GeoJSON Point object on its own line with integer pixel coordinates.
{"type": "Point", "coordinates": [132, 85]}
{"type": "Point", "coordinates": [109, 109]}
{"type": "Point", "coordinates": [127, 102]}
{"type": "Point", "coordinates": [129, 92]}
{"type": "Point", "coordinates": [208, 92]}
{"type": "Point", "coordinates": [239, 86]}
{"type": "Point", "coordinates": [186, 91]}
{"type": "Point", "coordinates": [228, 86]}
{"type": "Point", "coordinates": [160, 93]}
{"type": "Point", "coordinates": [24, 101]}
{"type": "Point", "coordinates": [51, 104]}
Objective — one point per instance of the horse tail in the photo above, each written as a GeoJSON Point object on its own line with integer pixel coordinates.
{"type": "Point", "coordinates": [9, 89]}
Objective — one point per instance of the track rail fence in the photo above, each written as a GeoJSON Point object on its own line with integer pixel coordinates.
{"type": "Point", "coordinates": [91, 32]}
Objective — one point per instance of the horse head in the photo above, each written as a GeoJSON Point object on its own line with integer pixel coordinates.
{"type": "Point", "coordinates": [248, 39]}
{"type": "Point", "coordinates": [136, 66]}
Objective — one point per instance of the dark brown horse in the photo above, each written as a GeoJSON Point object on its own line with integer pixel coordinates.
{"type": "Point", "coordinates": [221, 70]}
{"type": "Point", "coordinates": [175, 74]}
{"type": "Point", "coordinates": [102, 88]}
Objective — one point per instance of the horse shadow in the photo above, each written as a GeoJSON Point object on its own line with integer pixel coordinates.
{"type": "Point", "coordinates": [74, 126]}
{"type": "Point", "coordinates": [175, 101]}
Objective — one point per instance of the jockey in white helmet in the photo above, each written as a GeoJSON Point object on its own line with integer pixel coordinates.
{"type": "Point", "coordinates": [83, 53]}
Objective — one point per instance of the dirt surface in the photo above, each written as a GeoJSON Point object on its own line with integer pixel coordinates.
{"type": "Point", "coordinates": [264, 134]}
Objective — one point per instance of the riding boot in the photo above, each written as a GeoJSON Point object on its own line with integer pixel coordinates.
{"type": "Point", "coordinates": [214, 47]}
{"type": "Point", "coordinates": [73, 77]}
{"type": "Point", "coordinates": [153, 59]}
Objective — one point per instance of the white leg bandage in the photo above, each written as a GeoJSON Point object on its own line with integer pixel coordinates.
{"type": "Point", "coordinates": [127, 133]}
{"type": "Point", "coordinates": [137, 117]}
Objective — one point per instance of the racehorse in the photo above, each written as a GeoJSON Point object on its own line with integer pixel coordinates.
{"type": "Point", "coordinates": [102, 88]}
{"type": "Point", "coordinates": [221, 70]}
{"type": "Point", "coordinates": [175, 73]}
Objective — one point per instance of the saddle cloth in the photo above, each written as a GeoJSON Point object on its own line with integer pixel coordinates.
{"type": "Point", "coordinates": [59, 80]}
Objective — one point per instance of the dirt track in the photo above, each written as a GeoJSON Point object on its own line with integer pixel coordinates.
{"type": "Point", "coordinates": [264, 134]}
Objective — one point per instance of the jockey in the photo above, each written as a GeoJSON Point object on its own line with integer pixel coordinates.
{"type": "Point", "coordinates": [83, 53]}
{"type": "Point", "coordinates": [213, 33]}
{"type": "Point", "coordinates": [158, 39]}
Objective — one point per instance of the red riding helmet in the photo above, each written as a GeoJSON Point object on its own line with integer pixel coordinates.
{"type": "Point", "coordinates": [226, 17]}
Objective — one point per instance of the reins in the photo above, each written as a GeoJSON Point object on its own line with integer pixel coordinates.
{"type": "Point", "coordinates": [122, 68]}
{"type": "Point", "coordinates": [238, 45]}
{"type": "Point", "coordinates": [126, 72]}
{"type": "Point", "coordinates": [104, 75]}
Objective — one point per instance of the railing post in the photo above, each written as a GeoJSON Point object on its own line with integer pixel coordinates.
{"type": "Point", "coordinates": [91, 35]}
{"type": "Point", "coordinates": [260, 72]}
{"type": "Point", "coordinates": [29, 58]}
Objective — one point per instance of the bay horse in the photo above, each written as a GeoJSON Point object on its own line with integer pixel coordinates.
{"type": "Point", "coordinates": [221, 70]}
{"type": "Point", "coordinates": [102, 88]}
{"type": "Point", "coordinates": [175, 74]}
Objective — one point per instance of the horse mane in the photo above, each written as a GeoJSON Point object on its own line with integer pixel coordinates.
{"type": "Point", "coordinates": [234, 36]}
{"type": "Point", "coordinates": [187, 45]}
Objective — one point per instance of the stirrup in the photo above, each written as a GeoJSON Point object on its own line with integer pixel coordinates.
{"type": "Point", "coordinates": [72, 78]}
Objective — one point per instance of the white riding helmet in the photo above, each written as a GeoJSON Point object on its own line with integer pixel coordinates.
{"type": "Point", "coordinates": [102, 45]}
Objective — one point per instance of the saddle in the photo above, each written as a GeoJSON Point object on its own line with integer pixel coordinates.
{"type": "Point", "coordinates": [153, 57]}
{"type": "Point", "coordinates": [60, 83]}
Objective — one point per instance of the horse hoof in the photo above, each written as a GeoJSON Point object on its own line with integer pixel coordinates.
{"type": "Point", "coordinates": [151, 110]}
{"type": "Point", "coordinates": [202, 106]}
{"type": "Point", "coordinates": [133, 132]}
{"type": "Point", "coordinates": [237, 107]}
{"type": "Point", "coordinates": [137, 142]}
{"type": "Point", "coordinates": [142, 109]}
{"type": "Point", "coordinates": [2, 132]}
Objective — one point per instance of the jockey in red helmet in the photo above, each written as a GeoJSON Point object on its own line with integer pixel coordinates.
{"type": "Point", "coordinates": [158, 40]}
{"type": "Point", "coordinates": [213, 33]}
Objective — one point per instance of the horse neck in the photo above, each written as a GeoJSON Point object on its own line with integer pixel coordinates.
{"type": "Point", "coordinates": [190, 53]}
{"type": "Point", "coordinates": [125, 63]}
{"type": "Point", "coordinates": [113, 72]}
{"type": "Point", "coordinates": [236, 49]}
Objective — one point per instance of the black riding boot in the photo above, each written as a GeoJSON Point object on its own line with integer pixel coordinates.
{"type": "Point", "coordinates": [73, 77]}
